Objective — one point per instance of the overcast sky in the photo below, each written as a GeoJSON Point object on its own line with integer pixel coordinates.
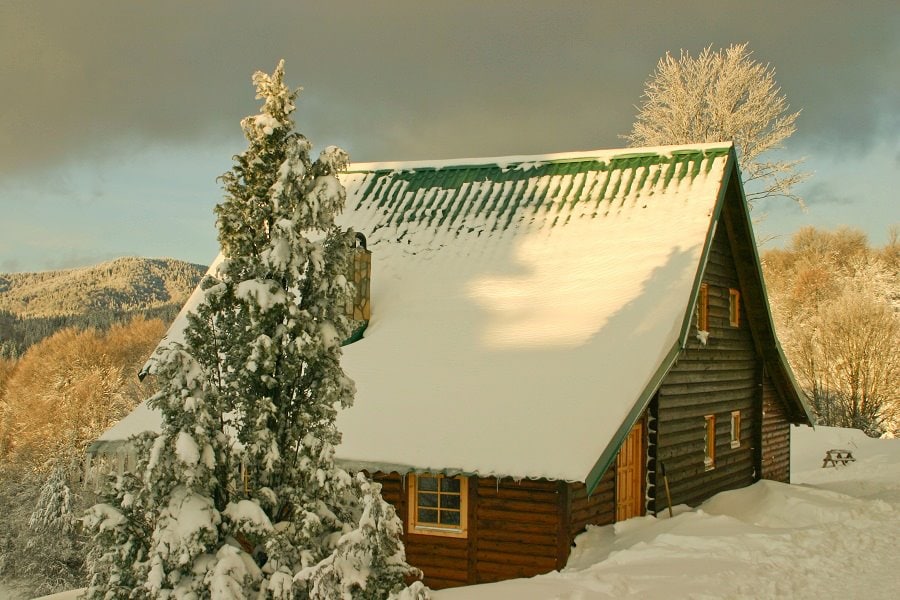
{"type": "Point", "coordinates": [117, 116]}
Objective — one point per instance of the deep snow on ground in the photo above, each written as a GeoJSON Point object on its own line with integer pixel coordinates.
{"type": "Point", "coordinates": [834, 534]}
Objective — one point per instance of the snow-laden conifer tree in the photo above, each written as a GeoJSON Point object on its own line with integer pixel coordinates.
{"type": "Point", "coordinates": [54, 508]}
{"type": "Point", "coordinates": [241, 482]}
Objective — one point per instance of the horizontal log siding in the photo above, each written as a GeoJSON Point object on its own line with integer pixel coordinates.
{"type": "Point", "coordinates": [597, 509]}
{"type": "Point", "coordinates": [776, 436]}
{"type": "Point", "coordinates": [515, 530]}
{"type": "Point", "coordinates": [717, 378]}
{"type": "Point", "coordinates": [518, 528]}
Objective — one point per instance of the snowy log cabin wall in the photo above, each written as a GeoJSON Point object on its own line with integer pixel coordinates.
{"type": "Point", "coordinates": [516, 528]}
{"type": "Point", "coordinates": [535, 357]}
{"type": "Point", "coordinates": [776, 435]}
{"type": "Point", "coordinates": [716, 377]}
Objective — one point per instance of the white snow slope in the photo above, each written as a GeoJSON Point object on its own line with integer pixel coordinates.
{"type": "Point", "coordinates": [835, 533]}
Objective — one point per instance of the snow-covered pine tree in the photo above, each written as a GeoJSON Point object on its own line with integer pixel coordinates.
{"type": "Point", "coordinates": [241, 482]}
{"type": "Point", "coordinates": [54, 508]}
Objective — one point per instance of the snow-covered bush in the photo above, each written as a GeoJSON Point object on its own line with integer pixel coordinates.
{"type": "Point", "coordinates": [121, 524]}
{"type": "Point", "coordinates": [41, 545]}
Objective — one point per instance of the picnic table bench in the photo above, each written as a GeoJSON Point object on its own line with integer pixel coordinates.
{"type": "Point", "coordinates": [837, 455]}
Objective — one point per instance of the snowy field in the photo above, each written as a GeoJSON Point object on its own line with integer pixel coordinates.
{"type": "Point", "coordinates": [835, 535]}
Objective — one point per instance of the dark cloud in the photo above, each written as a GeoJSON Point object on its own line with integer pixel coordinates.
{"type": "Point", "coordinates": [91, 79]}
{"type": "Point", "coordinates": [822, 194]}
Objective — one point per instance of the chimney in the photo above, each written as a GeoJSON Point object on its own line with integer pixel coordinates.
{"type": "Point", "coordinates": [359, 306]}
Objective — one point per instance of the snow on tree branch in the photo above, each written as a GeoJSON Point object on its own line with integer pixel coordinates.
{"type": "Point", "coordinates": [718, 96]}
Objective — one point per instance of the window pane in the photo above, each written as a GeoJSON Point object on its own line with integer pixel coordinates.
{"type": "Point", "coordinates": [450, 501]}
{"type": "Point", "coordinates": [428, 500]}
{"type": "Point", "coordinates": [449, 484]}
{"type": "Point", "coordinates": [449, 517]}
{"type": "Point", "coordinates": [427, 483]}
{"type": "Point", "coordinates": [427, 515]}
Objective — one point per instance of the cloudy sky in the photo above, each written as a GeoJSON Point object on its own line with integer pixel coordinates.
{"type": "Point", "coordinates": [117, 116]}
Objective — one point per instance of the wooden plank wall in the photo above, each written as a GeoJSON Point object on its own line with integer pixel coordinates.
{"type": "Point", "coordinates": [715, 378]}
{"type": "Point", "coordinates": [776, 436]}
{"type": "Point", "coordinates": [597, 509]}
{"type": "Point", "coordinates": [516, 529]}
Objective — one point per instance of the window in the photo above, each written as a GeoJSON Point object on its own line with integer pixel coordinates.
{"type": "Point", "coordinates": [734, 307]}
{"type": "Point", "coordinates": [735, 428]}
{"type": "Point", "coordinates": [438, 505]}
{"type": "Point", "coordinates": [703, 308]}
{"type": "Point", "coordinates": [709, 442]}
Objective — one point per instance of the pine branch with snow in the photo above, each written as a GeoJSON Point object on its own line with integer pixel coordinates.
{"type": "Point", "coordinates": [368, 562]}
{"type": "Point", "coordinates": [121, 524]}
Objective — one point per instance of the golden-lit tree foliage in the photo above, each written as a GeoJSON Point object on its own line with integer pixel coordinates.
{"type": "Point", "coordinates": [835, 302]}
{"type": "Point", "coordinates": [66, 390]}
{"type": "Point", "coordinates": [7, 366]}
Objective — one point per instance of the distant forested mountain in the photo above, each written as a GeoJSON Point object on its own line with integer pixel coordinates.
{"type": "Point", "coordinates": [35, 305]}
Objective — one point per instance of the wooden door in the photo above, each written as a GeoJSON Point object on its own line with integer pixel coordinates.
{"type": "Point", "coordinates": [630, 475]}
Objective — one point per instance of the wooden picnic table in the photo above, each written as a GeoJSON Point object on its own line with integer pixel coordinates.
{"type": "Point", "coordinates": [837, 455]}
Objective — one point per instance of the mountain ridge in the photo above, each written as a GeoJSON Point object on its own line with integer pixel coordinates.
{"type": "Point", "coordinates": [121, 285]}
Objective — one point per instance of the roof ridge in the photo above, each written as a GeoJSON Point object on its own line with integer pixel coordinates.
{"type": "Point", "coordinates": [513, 161]}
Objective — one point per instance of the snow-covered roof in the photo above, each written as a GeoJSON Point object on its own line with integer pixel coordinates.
{"type": "Point", "coordinates": [520, 306]}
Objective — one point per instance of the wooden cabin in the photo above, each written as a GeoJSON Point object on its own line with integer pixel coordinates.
{"type": "Point", "coordinates": [546, 335]}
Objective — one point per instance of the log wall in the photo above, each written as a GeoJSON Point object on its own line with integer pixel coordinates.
{"type": "Point", "coordinates": [776, 436]}
{"type": "Point", "coordinates": [515, 528]}
{"type": "Point", "coordinates": [716, 378]}
{"type": "Point", "coordinates": [518, 528]}
{"type": "Point", "coordinates": [597, 509]}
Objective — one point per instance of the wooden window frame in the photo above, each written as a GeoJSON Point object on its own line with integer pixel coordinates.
{"type": "Point", "coordinates": [734, 307]}
{"type": "Point", "coordinates": [417, 528]}
{"type": "Point", "coordinates": [709, 443]}
{"type": "Point", "coordinates": [703, 308]}
{"type": "Point", "coordinates": [735, 429]}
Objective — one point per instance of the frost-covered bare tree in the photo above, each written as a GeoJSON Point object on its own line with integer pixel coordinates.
{"type": "Point", "coordinates": [722, 95]}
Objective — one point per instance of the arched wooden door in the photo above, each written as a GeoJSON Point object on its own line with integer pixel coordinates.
{"type": "Point", "coordinates": [630, 475]}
